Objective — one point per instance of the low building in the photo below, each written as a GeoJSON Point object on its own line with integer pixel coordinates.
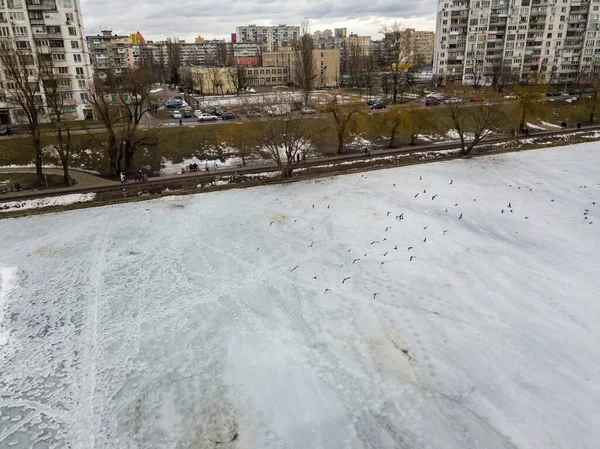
{"type": "Point", "coordinates": [267, 76]}
{"type": "Point", "coordinates": [215, 80]}
{"type": "Point", "coordinates": [326, 64]}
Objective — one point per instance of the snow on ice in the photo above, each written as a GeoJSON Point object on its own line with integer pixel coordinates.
{"type": "Point", "coordinates": [38, 203]}
{"type": "Point", "coordinates": [449, 305]}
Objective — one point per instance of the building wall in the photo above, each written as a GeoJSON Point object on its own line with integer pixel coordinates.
{"type": "Point", "coordinates": [110, 54]}
{"type": "Point", "coordinates": [326, 64]}
{"type": "Point", "coordinates": [268, 76]}
{"type": "Point", "coordinates": [213, 80]}
{"type": "Point", "coordinates": [478, 39]}
{"type": "Point", "coordinates": [424, 42]}
{"type": "Point", "coordinates": [54, 28]}
{"type": "Point", "coordinates": [272, 38]}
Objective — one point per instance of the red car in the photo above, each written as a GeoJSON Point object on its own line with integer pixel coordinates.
{"type": "Point", "coordinates": [432, 102]}
{"type": "Point", "coordinates": [476, 100]}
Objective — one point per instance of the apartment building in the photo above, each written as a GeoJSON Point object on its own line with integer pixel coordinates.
{"type": "Point", "coordinates": [424, 43]}
{"type": "Point", "coordinates": [267, 76]}
{"type": "Point", "coordinates": [361, 43]}
{"type": "Point", "coordinates": [271, 38]}
{"type": "Point", "coordinates": [479, 41]}
{"type": "Point", "coordinates": [51, 29]}
{"type": "Point", "coordinates": [326, 64]}
{"type": "Point", "coordinates": [111, 55]}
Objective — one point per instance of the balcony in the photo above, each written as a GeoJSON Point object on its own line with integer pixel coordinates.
{"type": "Point", "coordinates": [45, 5]}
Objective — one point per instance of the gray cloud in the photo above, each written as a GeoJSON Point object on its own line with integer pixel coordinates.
{"type": "Point", "coordinates": [158, 19]}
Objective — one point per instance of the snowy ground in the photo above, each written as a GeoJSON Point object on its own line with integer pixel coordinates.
{"type": "Point", "coordinates": [223, 320]}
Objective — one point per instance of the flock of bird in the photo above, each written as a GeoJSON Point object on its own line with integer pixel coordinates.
{"type": "Point", "coordinates": [411, 251]}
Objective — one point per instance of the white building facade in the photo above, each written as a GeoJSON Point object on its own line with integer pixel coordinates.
{"type": "Point", "coordinates": [272, 38]}
{"type": "Point", "coordinates": [478, 41]}
{"type": "Point", "coordinates": [50, 27]}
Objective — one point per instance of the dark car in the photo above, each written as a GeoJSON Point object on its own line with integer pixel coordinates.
{"type": "Point", "coordinates": [432, 102]}
{"type": "Point", "coordinates": [553, 93]}
{"type": "Point", "coordinates": [218, 112]}
{"type": "Point", "coordinates": [379, 106]}
{"type": "Point", "coordinates": [588, 90]}
{"type": "Point", "coordinates": [227, 115]}
{"type": "Point", "coordinates": [8, 131]}
{"type": "Point", "coordinates": [574, 92]}
{"type": "Point", "coordinates": [371, 102]}
{"type": "Point", "coordinates": [187, 114]}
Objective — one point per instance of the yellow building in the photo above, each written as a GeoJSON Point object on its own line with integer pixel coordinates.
{"type": "Point", "coordinates": [267, 76]}
{"type": "Point", "coordinates": [215, 80]}
{"type": "Point", "coordinates": [326, 64]}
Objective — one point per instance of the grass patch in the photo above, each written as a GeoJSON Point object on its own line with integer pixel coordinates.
{"type": "Point", "coordinates": [28, 180]}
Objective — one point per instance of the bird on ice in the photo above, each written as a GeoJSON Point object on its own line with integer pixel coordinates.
{"type": "Point", "coordinates": [271, 224]}
{"type": "Point", "coordinates": [416, 195]}
{"type": "Point", "coordinates": [445, 232]}
{"type": "Point", "coordinates": [425, 239]}
{"type": "Point", "coordinates": [385, 254]}
{"type": "Point", "coordinates": [345, 279]}
{"type": "Point", "coordinates": [460, 216]}
{"type": "Point", "coordinates": [433, 197]}
{"type": "Point", "coordinates": [409, 248]}
{"type": "Point", "coordinates": [354, 261]}
{"type": "Point", "coordinates": [375, 294]}
{"type": "Point", "coordinates": [451, 181]}
{"type": "Point", "coordinates": [327, 290]}
{"type": "Point", "coordinates": [376, 241]}
{"type": "Point", "coordinates": [388, 214]}
{"type": "Point", "coordinates": [386, 229]}
{"type": "Point", "coordinates": [411, 258]}
{"type": "Point", "coordinates": [294, 268]}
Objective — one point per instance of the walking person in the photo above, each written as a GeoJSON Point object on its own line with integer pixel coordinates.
{"type": "Point", "coordinates": [512, 132]}
{"type": "Point", "coordinates": [578, 125]}
{"type": "Point", "coordinates": [214, 165]}
{"type": "Point", "coordinates": [123, 178]}
{"type": "Point", "coordinates": [180, 122]}
{"type": "Point", "coordinates": [206, 167]}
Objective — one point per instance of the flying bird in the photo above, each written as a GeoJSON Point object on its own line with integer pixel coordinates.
{"type": "Point", "coordinates": [416, 195]}
{"type": "Point", "coordinates": [315, 277]}
{"type": "Point", "coordinates": [376, 241]}
{"type": "Point", "coordinates": [355, 260]}
{"type": "Point", "coordinates": [424, 228]}
{"type": "Point", "coordinates": [394, 185]}
{"type": "Point", "coordinates": [294, 268]}
{"type": "Point", "coordinates": [328, 206]}
{"type": "Point", "coordinates": [345, 279]}
{"type": "Point", "coordinates": [401, 216]}
{"type": "Point", "coordinates": [456, 204]}
{"type": "Point", "coordinates": [425, 239]}
{"type": "Point", "coordinates": [451, 181]}
{"type": "Point", "coordinates": [375, 294]}
{"type": "Point", "coordinates": [385, 254]}
{"type": "Point", "coordinates": [594, 203]}
{"type": "Point", "coordinates": [409, 248]}
{"type": "Point", "coordinates": [386, 229]}
{"type": "Point", "coordinates": [460, 216]}
{"type": "Point", "coordinates": [526, 218]}
{"type": "Point", "coordinates": [313, 206]}
{"type": "Point", "coordinates": [271, 224]}
{"type": "Point", "coordinates": [327, 290]}
{"type": "Point", "coordinates": [381, 264]}
{"type": "Point", "coordinates": [445, 232]}
{"type": "Point", "coordinates": [474, 199]}
{"type": "Point", "coordinates": [502, 211]}
{"type": "Point", "coordinates": [311, 244]}
{"type": "Point", "coordinates": [411, 258]}
{"type": "Point", "coordinates": [396, 247]}
{"type": "Point", "coordinates": [433, 197]}
{"type": "Point", "coordinates": [384, 239]}
{"type": "Point", "coordinates": [509, 206]}
{"type": "Point", "coordinates": [257, 248]}
{"type": "Point", "coordinates": [388, 214]}
{"type": "Point", "coordinates": [446, 210]}
{"type": "Point", "coordinates": [424, 191]}
{"type": "Point", "coordinates": [551, 201]}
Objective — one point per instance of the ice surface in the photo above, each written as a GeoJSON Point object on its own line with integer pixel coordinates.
{"type": "Point", "coordinates": [204, 321]}
{"type": "Point", "coordinates": [62, 200]}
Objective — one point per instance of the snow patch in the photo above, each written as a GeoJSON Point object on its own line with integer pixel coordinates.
{"type": "Point", "coordinates": [8, 277]}
{"type": "Point", "coordinates": [62, 200]}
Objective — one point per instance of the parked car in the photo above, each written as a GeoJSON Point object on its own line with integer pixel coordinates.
{"type": "Point", "coordinates": [379, 106]}
{"type": "Point", "coordinates": [172, 105]}
{"type": "Point", "coordinates": [511, 97]}
{"type": "Point", "coordinates": [198, 113]}
{"type": "Point", "coordinates": [218, 112]}
{"type": "Point", "coordinates": [253, 113]}
{"type": "Point", "coordinates": [8, 131]}
{"type": "Point", "coordinates": [588, 90]}
{"type": "Point", "coordinates": [227, 116]}
{"type": "Point", "coordinates": [453, 100]}
{"type": "Point", "coordinates": [307, 110]}
{"type": "Point", "coordinates": [187, 114]}
{"type": "Point", "coordinates": [476, 100]}
{"type": "Point", "coordinates": [176, 115]}
{"type": "Point", "coordinates": [371, 102]}
{"type": "Point", "coordinates": [553, 93]}
{"type": "Point", "coordinates": [574, 92]}
{"type": "Point", "coordinates": [432, 102]}
{"type": "Point", "coordinates": [204, 117]}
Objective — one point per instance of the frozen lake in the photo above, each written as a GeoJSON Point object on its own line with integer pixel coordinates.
{"type": "Point", "coordinates": [292, 316]}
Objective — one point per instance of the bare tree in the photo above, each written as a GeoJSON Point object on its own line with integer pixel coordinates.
{"type": "Point", "coordinates": [121, 110]}
{"type": "Point", "coordinates": [243, 146]}
{"type": "Point", "coordinates": [591, 104]}
{"type": "Point", "coordinates": [174, 59]}
{"type": "Point", "coordinates": [284, 139]}
{"type": "Point", "coordinates": [216, 81]}
{"type": "Point", "coordinates": [397, 57]}
{"type": "Point", "coordinates": [304, 71]}
{"type": "Point", "coordinates": [528, 97]}
{"type": "Point", "coordinates": [59, 93]}
{"type": "Point", "coordinates": [473, 123]}
{"type": "Point", "coordinates": [238, 78]}
{"type": "Point", "coordinates": [345, 116]}
{"type": "Point", "coordinates": [410, 121]}
{"type": "Point", "coordinates": [24, 91]}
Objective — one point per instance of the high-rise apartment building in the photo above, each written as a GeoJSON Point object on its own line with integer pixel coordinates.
{"type": "Point", "coordinates": [111, 55]}
{"type": "Point", "coordinates": [479, 42]}
{"type": "Point", "coordinates": [270, 37]}
{"type": "Point", "coordinates": [424, 42]}
{"type": "Point", "coordinates": [340, 32]}
{"type": "Point", "coordinates": [50, 29]}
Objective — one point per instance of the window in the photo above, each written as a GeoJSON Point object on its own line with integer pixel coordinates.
{"type": "Point", "coordinates": [16, 16]}
{"type": "Point", "coordinates": [68, 3]}
{"type": "Point", "coordinates": [79, 70]}
{"type": "Point", "coordinates": [38, 29]}
{"type": "Point", "coordinates": [23, 44]}
{"type": "Point", "coordinates": [36, 15]}
{"type": "Point", "coordinates": [81, 83]}
{"type": "Point", "coordinates": [19, 31]}
{"type": "Point", "coordinates": [69, 16]}
{"type": "Point", "coordinates": [83, 96]}
{"type": "Point", "coordinates": [58, 57]}
{"type": "Point", "coordinates": [549, 35]}
{"type": "Point", "coordinates": [4, 31]}
{"type": "Point", "coordinates": [69, 108]}
{"type": "Point", "coordinates": [72, 31]}
{"type": "Point", "coordinates": [14, 3]}
{"type": "Point", "coordinates": [77, 57]}
{"type": "Point", "coordinates": [63, 70]}
{"type": "Point", "coordinates": [75, 45]}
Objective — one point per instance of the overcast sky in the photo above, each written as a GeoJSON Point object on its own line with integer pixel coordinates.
{"type": "Point", "coordinates": [159, 19]}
